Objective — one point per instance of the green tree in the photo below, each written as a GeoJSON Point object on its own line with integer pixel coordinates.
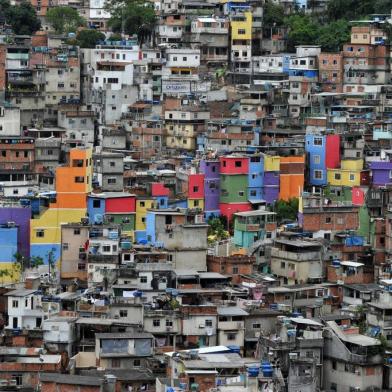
{"type": "Point", "coordinates": [332, 36]}
{"type": "Point", "coordinates": [382, 6]}
{"type": "Point", "coordinates": [4, 273]}
{"type": "Point", "coordinates": [217, 230]}
{"type": "Point", "coordinates": [64, 20]}
{"type": "Point", "coordinates": [36, 261]}
{"type": "Point", "coordinates": [132, 16]}
{"type": "Point", "coordinates": [21, 18]}
{"type": "Point", "coordinates": [273, 15]}
{"type": "Point", "coordinates": [89, 38]}
{"type": "Point", "coordinates": [286, 209]}
{"type": "Point", "coordinates": [302, 30]}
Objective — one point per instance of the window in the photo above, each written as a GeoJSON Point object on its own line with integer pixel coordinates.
{"type": "Point", "coordinates": [238, 164]}
{"type": "Point", "coordinates": [111, 180]}
{"type": "Point", "coordinates": [113, 80]}
{"type": "Point", "coordinates": [106, 248]}
{"type": "Point", "coordinates": [316, 159]}
{"type": "Point", "coordinates": [17, 378]}
{"type": "Point", "coordinates": [328, 219]}
{"type": "Point", "coordinates": [156, 322]}
{"type": "Point", "coordinates": [79, 179]}
{"type": "Point", "coordinates": [282, 265]}
{"type": "Point", "coordinates": [76, 231]}
{"type": "Point", "coordinates": [241, 193]}
{"type": "Point", "coordinates": [123, 313]}
{"type": "Point", "coordinates": [256, 325]}
{"type": "Point", "coordinates": [65, 246]}
{"type": "Point", "coordinates": [253, 193]}
{"type": "Point", "coordinates": [340, 221]}
{"type": "Point", "coordinates": [60, 85]}
{"type": "Point", "coordinates": [241, 31]}
{"type": "Point", "coordinates": [96, 203]}
{"type": "Point", "coordinates": [136, 362]}
{"type": "Point", "coordinates": [231, 336]}
{"type": "Point", "coordinates": [352, 177]}
{"type": "Point", "coordinates": [235, 269]}
{"type": "Point", "coordinates": [184, 59]}
{"type": "Point", "coordinates": [195, 189]}
{"type": "Point", "coordinates": [338, 176]}
{"type": "Point", "coordinates": [318, 174]}
{"type": "Point", "coordinates": [208, 323]}
{"type": "Point", "coordinates": [318, 141]}
{"type": "Point", "coordinates": [143, 279]}
{"type": "Point", "coordinates": [116, 363]}
{"type": "Point", "coordinates": [169, 323]}
{"type": "Point", "coordinates": [15, 303]}
{"type": "Point", "coordinates": [40, 233]}
{"type": "Point", "coordinates": [112, 164]}
{"type": "Point", "coordinates": [142, 204]}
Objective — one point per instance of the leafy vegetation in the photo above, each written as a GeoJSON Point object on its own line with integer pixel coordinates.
{"type": "Point", "coordinates": [64, 20]}
{"type": "Point", "coordinates": [21, 17]}
{"type": "Point", "coordinates": [89, 38]}
{"type": "Point", "coordinates": [273, 15]}
{"type": "Point", "coordinates": [286, 210]}
{"type": "Point", "coordinates": [217, 230]}
{"type": "Point", "coordinates": [132, 17]}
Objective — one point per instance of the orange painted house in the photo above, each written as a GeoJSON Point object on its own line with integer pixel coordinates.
{"type": "Point", "coordinates": [292, 176]}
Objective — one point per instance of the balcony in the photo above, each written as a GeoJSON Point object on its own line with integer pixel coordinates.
{"type": "Point", "coordinates": [230, 325]}
{"type": "Point", "coordinates": [308, 256]}
{"type": "Point", "coordinates": [210, 30]}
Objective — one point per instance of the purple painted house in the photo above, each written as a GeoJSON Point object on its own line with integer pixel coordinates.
{"type": "Point", "coordinates": [21, 216]}
{"type": "Point", "coordinates": [381, 173]}
{"type": "Point", "coordinates": [271, 186]}
{"type": "Point", "coordinates": [211, 171]}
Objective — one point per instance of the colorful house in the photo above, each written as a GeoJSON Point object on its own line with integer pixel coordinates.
{"type": "Point", "coordinates": [323, 152]}
{"type": "Point", "coordinates": [113, 207]}
{"type": "Point", "coordinates": [252, 226]}
{"type": "Point", "coordinates": [255, 178]}
{"type": "Point", "coordinates": [161, 194]}
{"type": "Point", "coordinates": [73, 183]}
{"type": "Point", "coordinates": [142, 205]}
{"type": "Point", "coordinates": [8, 248]}
{"type": "Point", "coordinates": [292, 177]}
{"type": "Point", "coordinates": [196, 191]}
{"type": "Point", "coordinates": [381, 173]}
{"type": "Point", "coordinates": [271, 180]}
{"type": "Point", "coordinates": [234, 184]}
{"type": "Point", "coordinates": [349, 174]}
{"type": "Point", "coordinates": [211, 171]}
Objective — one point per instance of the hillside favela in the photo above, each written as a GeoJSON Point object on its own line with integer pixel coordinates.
{"type": "Point", "coordinates": [195, 195]}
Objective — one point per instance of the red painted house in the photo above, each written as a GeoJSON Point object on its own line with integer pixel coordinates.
{"type": "Point", "coordinates": [158, 189]}
{"type": "Point", "coordinates": [196, 186]}
{"type": "Point", "coordinates": [228, 209]}
{"type": "Point", "coordinates": [232, 164]}
{"type": "Point", "coordinates": [332, 152]}
{"type": "Point", "coordinates": [121, 204]}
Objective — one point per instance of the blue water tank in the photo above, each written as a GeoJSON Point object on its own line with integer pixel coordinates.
{"type": "Point", "coordinates": [253, 371]}
{"type": "Point", "coordinates": [234, 349]}
{"type": "Point", "coordinates": [336, 263]}
{"type": "Point", "coordinates": [296, 314]}
{"type": "Point", "coordinates": [266, 368]}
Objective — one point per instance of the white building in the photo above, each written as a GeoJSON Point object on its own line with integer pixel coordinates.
{"type": "Point", "coordinates": [24, 309]}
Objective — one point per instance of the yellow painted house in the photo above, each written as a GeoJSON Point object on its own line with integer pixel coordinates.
{"type": "Point", "coordinates": [196, 203]}
{"type": "Point", "coordinates": [271, 163]}
{"type": "Point", "coordinates": [241, 27]}
{"type": "Point", "coordinates": [349, 173]}
{"type": "Point", "coordinates": [142, 205]}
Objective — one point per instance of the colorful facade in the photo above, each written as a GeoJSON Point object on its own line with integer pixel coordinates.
{"type": "Point", "coordinates": [292, 177]}
{"type": "Point", "coordinates": [349, 174]}
{"type": "Point", "coordinates": [73, 183]}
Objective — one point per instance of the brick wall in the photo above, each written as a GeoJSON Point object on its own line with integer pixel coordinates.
{"type": "Point", "coordinates": [335, 221]}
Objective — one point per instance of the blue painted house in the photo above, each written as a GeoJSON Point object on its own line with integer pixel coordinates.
{"type": "Point", "coordinates": [315, 147]}
{"type": "Point", "coordinates": [255, 178]}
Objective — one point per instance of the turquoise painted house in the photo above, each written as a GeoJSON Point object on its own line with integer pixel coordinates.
{"type": "Point", "coordinates": [252, 226]}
